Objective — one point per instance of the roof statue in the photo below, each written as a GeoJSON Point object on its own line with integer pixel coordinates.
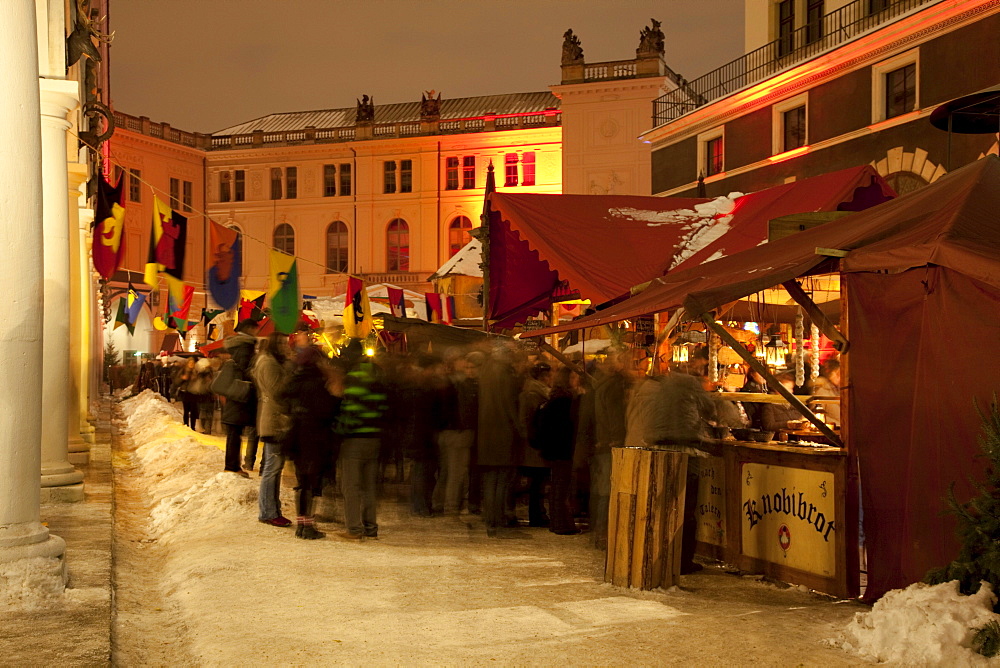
{"type": "Point", "coordinates": [572, 50]}
{"type": "Point", "coordinates": [650, 39]}
{"type": "Point", "coordinates": [430, 106]}
{"type": "Point", "coordinates": [366, 110]}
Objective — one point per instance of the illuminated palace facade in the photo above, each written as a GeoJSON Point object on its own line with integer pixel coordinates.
{"type": "Point", "coordinates": [826, 85]}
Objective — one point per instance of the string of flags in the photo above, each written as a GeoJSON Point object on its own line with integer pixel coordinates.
{"type": "Point", "coordinates": [166, 257]}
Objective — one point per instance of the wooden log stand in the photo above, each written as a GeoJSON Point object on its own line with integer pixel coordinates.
{"type": "Point", "coordinates": [645, 517]}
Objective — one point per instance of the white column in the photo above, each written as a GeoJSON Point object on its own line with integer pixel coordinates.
{"type": "Point", "coordinates": [60, 480]}
{"type": "Point", "coordinates": [85, 286]}
{"type": "Point", "coordinates": [21, 533]}
{"type": "Point", "coordinates": [79, 447]}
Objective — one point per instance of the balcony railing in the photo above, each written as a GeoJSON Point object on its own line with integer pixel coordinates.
{"type": "Point", "coordinates": [831, 30]}
{"type": "Point", "coordinates": [143, 125]}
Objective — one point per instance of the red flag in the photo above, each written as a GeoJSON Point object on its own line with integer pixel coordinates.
{"type": "Point", "coordinates": [397, 302]}
{"type": "Point", "coordinates": [109, 224]}
{"type": "Point", "coordinates": [433, 300]}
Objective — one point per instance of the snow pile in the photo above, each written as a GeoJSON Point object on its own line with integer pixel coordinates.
{"type": "Point", "coordinates": [700, 226]}
{"type": "Point", "coordinates": [205, 505]}
{"type": "Point", "coordinates": [924, 625]}
{"type": "Point", "coordinates": [30, 584]}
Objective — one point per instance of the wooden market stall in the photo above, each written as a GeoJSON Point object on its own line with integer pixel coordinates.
{"type": "Point", "coordinates": [915, 272]}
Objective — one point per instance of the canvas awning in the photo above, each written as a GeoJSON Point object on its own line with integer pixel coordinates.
{"type": "Point", "coordinates": [603, 245]}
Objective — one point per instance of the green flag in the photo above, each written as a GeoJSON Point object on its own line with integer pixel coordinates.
{"type": "Point", "coordinates": [284, 292]}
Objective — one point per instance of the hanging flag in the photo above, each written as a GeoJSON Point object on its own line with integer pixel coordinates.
{"type": "Point", "coordinates": [211, 332]}
{"type": "Point", "coordinates": [179, 310]}
{"type": "Point", "coordinates": [284, 292]}
{"type": "Point", "coordinates": [166, 245]}
{"type": "Point", "coordinates": [357, 310]}
{"type": "Point", "coordinates": [135, 301]}
{"type": "Point", "coordinates": [227, 265]}
{"type": "Point", "coordinates": [109, 223]}
{"type": "Point", "coordinates": [209, 314]}
{"type": "Point", "coordinates": [251, 305]}
{"type": "Point", "coordinates": [447, 309]}
{"type": "Point", "coordinates": [121, 318]}
{"type": "Point", "coordinates": [397, 302]}
{"type": "Point", "coordinates": [433, 301]}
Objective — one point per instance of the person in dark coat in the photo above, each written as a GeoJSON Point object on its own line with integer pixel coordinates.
{"type": "Point", "coordinates": [555, 436]}
{"type": "Point", "coordinates": [499, 387]}
{"type": "Point", "coordinates": [237, 415]}
{"type": "Point", "coordinates": [421, 393]}
{"type": "Point", "coordinates": [183, 376]}
{"type": "Point", "coordinates": [312, 411]}
{"type": "Point", "coordinates": [460, 403]}
{"type": "Point", "coordinates": [532, 465]}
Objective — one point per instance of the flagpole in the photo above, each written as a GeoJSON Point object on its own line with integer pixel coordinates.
{"type": "Point", "coordinates": [484, 243]}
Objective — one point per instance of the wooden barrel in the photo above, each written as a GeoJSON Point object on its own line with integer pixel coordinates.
{"type": "Point", "coordinates": [645, 517]}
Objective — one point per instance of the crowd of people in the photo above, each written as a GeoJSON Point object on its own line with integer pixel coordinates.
{"type": "Point", "coordinates": [490, 430]}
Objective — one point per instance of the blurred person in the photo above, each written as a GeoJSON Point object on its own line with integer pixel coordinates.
{"type": "Point", "coordinates": [625, 369]}
{"type": "Point", "coordinates": [499, 387]}
{"type": "Point", "coordinates": [534, 394]}
{"type": "Point", "coordinates": [200, 389]}
{"type": "Point", "coordinates": [460, 406]}
{"type": "Point", "coordinates": [164, 377]}
{"type": "Point", "coordinates": [555, 434]}
{"type": "Point", "coordinates": [312, 411]}
{"type": "Point", "coordinates": [184, 374]}
{"type": "Point", "coordinates": [418, 418]}
{"type": "Point", "coordinates": [774, 417]}
{"type": "Point", "coordinates": [360, 424]}
{"type": "Point", "coordinates": [827, 384]}
{"type": "Point", "coordinates": [474, 361]}
{"type": "Point", "coordinates": [237, 415]}
{"type": "Point", "coordinates": [754, 383]}
{"type": "Point", "coordinates": [269, 374]}
{"type": "Point", "coordinates": [586, 436]}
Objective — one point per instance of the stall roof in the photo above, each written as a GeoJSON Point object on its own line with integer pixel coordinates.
{"type": "Point", "coordinates": [951, 222]}
{"type": "Point", "coordinates": [465, 262]}
{"type": "Point", "coordinates": [602, 245]}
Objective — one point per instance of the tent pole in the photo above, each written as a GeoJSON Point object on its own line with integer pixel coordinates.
{"type": "Point", "coordinates": [794, 289]}
{"type": "Point", "coordinates": [762, 369]}
{"type": "Point", "coordinates": [565, 360]}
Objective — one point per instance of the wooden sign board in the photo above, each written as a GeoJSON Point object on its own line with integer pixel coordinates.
{"type": "Point", "coordinates": [710, 512]}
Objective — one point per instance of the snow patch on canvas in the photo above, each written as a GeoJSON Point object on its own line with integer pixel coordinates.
{"type": "Point", "coordinates": [700, 226]}
{"type": "Point", "coordinates": [922, 625]}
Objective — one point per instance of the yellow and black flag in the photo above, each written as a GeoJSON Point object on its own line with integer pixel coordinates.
{"type": "Point", "coordinates": [166, 248]}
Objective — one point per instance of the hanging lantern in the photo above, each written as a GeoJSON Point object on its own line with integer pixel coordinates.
{"type": "Point", "coordinates": [680, 353]}
{"type": "Point", "coordinates": [774, 351]}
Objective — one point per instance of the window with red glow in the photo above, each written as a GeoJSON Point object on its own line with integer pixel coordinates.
{"type": "Point", "coordinates": [714, 156]}
{"type": "Point", "coordinates": [451, 173]}
{"type": "Point", "coordinates": [458, 234]}
{"type": "Point", "coordinates": [469, 172]}
{"type": "Point", "coordinates": [528, 169]}
{"type": "Point", "coordinates": [336, 247]}
{"type": "Point", "coordinates": [510, 169]}
{"type": "Point", "coordinates": [398, 245]}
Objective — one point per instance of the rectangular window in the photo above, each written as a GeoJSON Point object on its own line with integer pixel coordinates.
{"type": "Point", "coordinates": [276, 183]}
{"type": "Point", "coordinates": [225, 186]}
{"type": "Point", "coordinates": [451, 173]}
{"type": "Point", "coordinates": [389, 176]}
{"type": "Point", "coordinates": [794, 123]}
{"type": "Point", "coordinates": [175, 194]}
{"type": "Point", "coordinates": [528, 168]}
{"type": "Point", "coordinates": [291, 182]}
{"type": "Point", "coordinates": [134, 185]}
{"type": "Point", "coordinates": [510, 170]}
{"type": "Point", "coordinates": [345, 179]}
{"type": "Point", "coordinates": [240, 187]}
{"type": "Point", "coordinates": [814, 21]}
{"type": "Point", "coordinates": [901, 90]}
{"type": "Point", "coordinates": [186, 192]}
{"type": "Point", "coordinates": [469, 172]}
{"type": "Point", "coordinates": [405, 176]}
{"type": "Point", "coordinates": [786, 27]}
{"type": "Point", "coordinates": [329, 180]}
{"type": "Point", "coordinates": [876, 6]}
{"type": "Point", "coordinates": [714, 156]}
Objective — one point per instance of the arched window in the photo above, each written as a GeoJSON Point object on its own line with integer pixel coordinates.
{"type": "Point", "coordinates": [905, 182]}
{"type": "Point", "coordinates": [458, 234]}
{"type": "Point", "coordinates": [284, 238]}
{"type": "Point", "coordinates": [336, 247]}
{"type": "Point", "coordinates": [398, 245]}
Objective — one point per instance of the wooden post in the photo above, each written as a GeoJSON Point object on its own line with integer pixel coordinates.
{"type": "Point", "coordinates": [483, 234]}
{"type": "Point", "coordinates": [852, 564]}
{"type": "Point", "coordinates": [796, 292]}
{"type": "Point", "coordinates": [645, 517]}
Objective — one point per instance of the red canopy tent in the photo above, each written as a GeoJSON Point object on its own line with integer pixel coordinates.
{"type": "Point", "coordinates": [602, 245]}
{"type": "Point", "coordinates": [922, 275]}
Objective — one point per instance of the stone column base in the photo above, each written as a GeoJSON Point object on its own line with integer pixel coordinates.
{"type": "Point", "coordinates": [47, 569]}
{"type": "Point", "coordinates": [78, 453]}
{"type": "Point", "coordinates": [62, 494]}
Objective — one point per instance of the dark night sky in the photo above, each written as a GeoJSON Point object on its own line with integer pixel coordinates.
{"type": "Point", "coordinates": [202, 65]}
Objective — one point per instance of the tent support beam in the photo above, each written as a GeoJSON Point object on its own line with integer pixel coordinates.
{"type": "Point", "coordinates": [565, 360]}
{"type": "Point", "coordinates": [794, 289]}
{"type": "Point", "coordinates": [755, 364]}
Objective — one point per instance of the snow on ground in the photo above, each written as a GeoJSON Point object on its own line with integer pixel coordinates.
{"type": "Point", "coordinates": [228, 590]}
{"type": "Point", "coordinates": [923, 625]}
{"type": "Point", "coordinates": [31, 584]}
